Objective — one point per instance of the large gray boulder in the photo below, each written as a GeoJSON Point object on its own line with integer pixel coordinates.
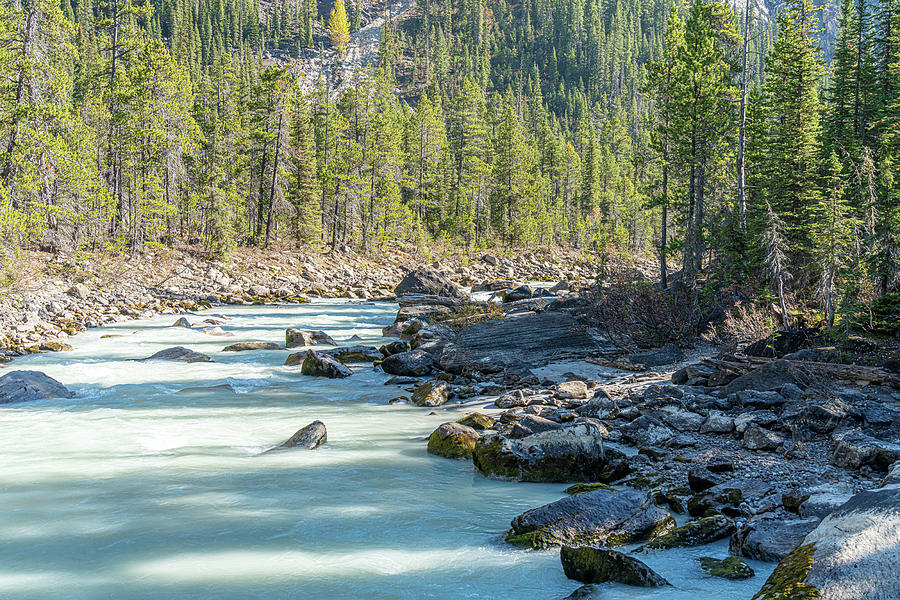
{"type": "Point", "coordinates": [319, 365]}
{"type": "Point", "coordinates": [26, 386]}
{"type": "Point", "coordinates": [852, 554]}
{"type": "Point", "coordinates": [573, 453]}
{"type": "Point", "coordinates": [770, 538]}
{"type": "Point", "coordinates": [428, 282]}
{"type": "Point", "coordinates": [770, 376]}
{"type": "Point", "coordinates": [603, 516]}
{"type": "Point", "coordinates": [310, 437]}
{"type": "Point", "coordinates": [295, 338]}
{"type": "Point", "coordinates": [415, 363]}
{"type": "Point", "coordinates": [178, 354]}
{"type": "Point", "coordinates": [531, 339]}
{"type": "Point", "coordinates": [599, 565]}
{"type": "Point", "coordinates": [856, 450]}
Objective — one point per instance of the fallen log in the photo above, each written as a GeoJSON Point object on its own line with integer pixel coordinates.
{"type": "Point", "coordinates": [739, 364]}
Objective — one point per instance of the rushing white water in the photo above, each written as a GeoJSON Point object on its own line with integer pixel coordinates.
{"type": "Point", "coordinates": [151, 482]}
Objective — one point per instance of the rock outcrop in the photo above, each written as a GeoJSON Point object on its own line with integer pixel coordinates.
{"type": "Point", "coordinates": [295, 338]}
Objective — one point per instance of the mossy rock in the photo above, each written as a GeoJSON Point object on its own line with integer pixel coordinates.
{"type": "Point", "coordinates": [787, 581]}
{"type": "Point", "coordinates": [599, 565]}
{"type": "Point", "coordinates": [477, 421]}
{"type": "Point", "coordinates": [733, 567]}
{"type": "Point", "coordinates": [694, 533]}
{"type": "Point", "coordinates": [674, 498]}
{"type": "Point", "coordinates": [56, 347]}
{"type": "Point", "coordinates": [453, 440]}
{"type": "Point", "coordinates": [580, 488]}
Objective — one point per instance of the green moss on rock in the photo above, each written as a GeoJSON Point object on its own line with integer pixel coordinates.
{"type": "Point", "coordinates": [787, 581]}
{"type": "Point", "coordinates": [694, 533]}
{"type": "Point", "coordinates": [733, 567]}
{"type": "Point", "coordinates": [452, 440]}
{"type": "Point", "coordinates": [580, 488]}
{"type": "Point", "coordinates": [477, 420]}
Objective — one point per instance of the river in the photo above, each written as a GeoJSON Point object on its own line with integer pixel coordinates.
{"type": "Point", "coordinates": [151, 483]}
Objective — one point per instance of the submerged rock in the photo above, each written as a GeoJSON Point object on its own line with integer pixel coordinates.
{"type": "Point", "coordinates": [603, 516]}
{"type": "Point", "coordinates": [853, 553]}
{"type": "Point", "coordinates": [733, 567]}
{"type": "Point", "coordinates": [178, 353]}
{"type": "Point", "coordinates": [311, 437]}
{"type": "Point", "coordinates": [598, 565]}
{"type": "Point", "coordinates": [573, 453]}
{"type": "Point", "coordinates": [319, 365]}
{"type": "Point", "coordinates": [694, 533]}
{"type": "Point", "coordinates": [304, 337]}
{"type": "Point", "coordinates": [27, 386]}
{"type": "Point", "coordinates": [245, 346]}
{"type": "Point", "coordinates": [453, 440]}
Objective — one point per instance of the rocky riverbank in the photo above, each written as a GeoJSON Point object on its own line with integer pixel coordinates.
{"type": "Point", "coordinates": [47, 298]}
{"type": "Point", "coordinates": [790, 458]}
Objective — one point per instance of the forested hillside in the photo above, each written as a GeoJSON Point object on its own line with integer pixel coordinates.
{"type": "Point", "coordinates": [708, 135]}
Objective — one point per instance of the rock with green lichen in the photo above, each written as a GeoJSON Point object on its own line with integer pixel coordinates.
{"type": "Point", "coordinates": [581, 488]}
{"type": "Point", "coordinates": [573, 453]}
{"type": "Point", "coordinates": [453, 440]}
{"type": "Point", "coordinates": [477, 421]}
{"type": "Point", "coordinates": [732, 567]}
{"type": "Point", "coordinates": [432, 393]}
{"type": "Point", "coordinates": [602, 516]}
{"type": "Point", "coordinates": [852, 554]}
{"type": "Point", "coordinates": [694, 533]}
{"type": "Point", "coordinates": [599, 565]}
{"type": "Point", "coordinates": [320, 365]}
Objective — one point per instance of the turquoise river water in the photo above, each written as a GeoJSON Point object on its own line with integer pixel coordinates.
{"type": "Point", "coordinates": [151, 483]}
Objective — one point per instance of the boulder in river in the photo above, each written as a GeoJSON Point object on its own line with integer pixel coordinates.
{"type": "Point", "coordinates": [178, 354]}
{"type": "Point", "coordinates": [295, 338]}
{"type": "Point", "coordinates": [733, 567]}
{"type": "Point", "coordinates": [453, 440]}
{"type": "Point", "coordinates": [182, 322]}
{"type": "Point", "coordinates": [311, 437]}
{"type": "Point", "coordinates": [599, 565]}
{"type": "Point", "coordinates": [428, 282]}
{"type": "Point", "coordinates": [430, 394]}
{"type": "Point", "coordinates": [320, 365]}
{"type": "Point", "coordinates": [353, 354]}
{"type": "Point", "coordinates": [245, 346]}
{"type": "Point", "coordinates": [603, 516]}
{"type": "Point", "coordinates": [694, 533]}
{"type": "Point", "coordinates": [852, 554]}
{"type": "Point", "coordinates": [26, 386]}
{"type": "Point", "coordinates": [478, 421]}
{"type": "Point", "coordinates": [415, 363]}
{"type": "Point", "coordinates": [573, 453]}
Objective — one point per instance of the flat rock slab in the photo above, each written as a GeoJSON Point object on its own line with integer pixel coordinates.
{"type": "Point", "coordinates": [27, 386]}
{"type": "Point", "coordinates": [532, 339]}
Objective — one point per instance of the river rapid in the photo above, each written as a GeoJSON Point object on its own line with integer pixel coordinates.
{"type": "Point", "coordinates": [151, 483]}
